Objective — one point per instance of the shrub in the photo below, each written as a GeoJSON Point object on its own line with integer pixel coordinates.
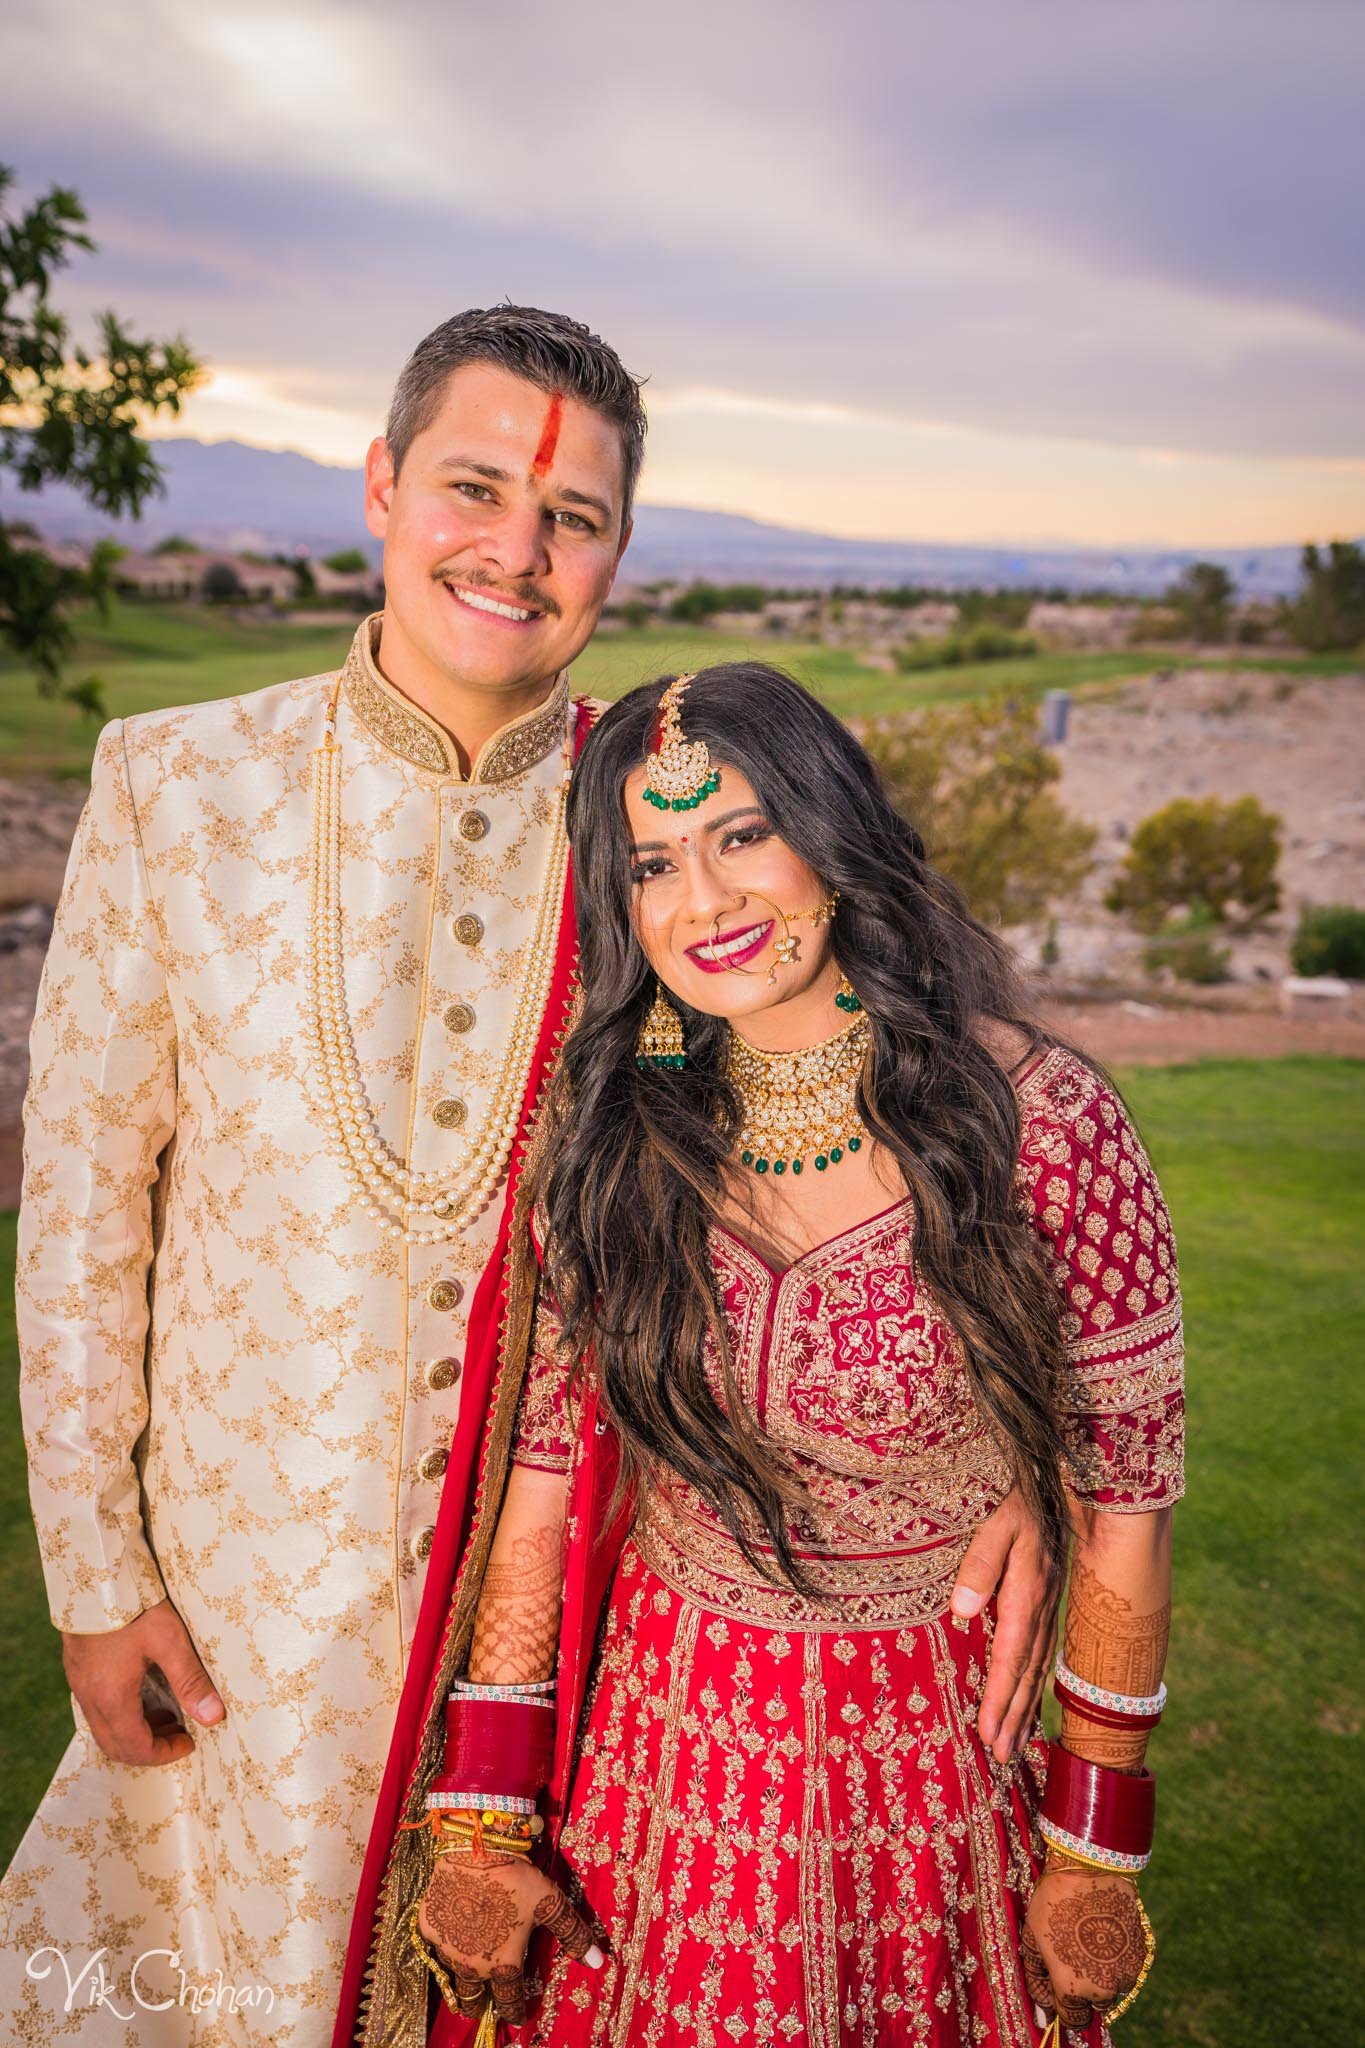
{"type": "Point", "coordinates": [975, 780]}
{"type": "Point", "coordinates": [1223, 855]}
{"type": "Point", "coordinates": [978, 643]}
{"type": "Point", "coordinates": [221, 584]}
{"type": "Point", "coordinates": [1330, 940]}
{"type": "Point", "coordinates": [1330, 612]}
{"type": "Point", "coordinates": [1186, 945]}
{"type": "Point", "coordinates": [1202, 595]}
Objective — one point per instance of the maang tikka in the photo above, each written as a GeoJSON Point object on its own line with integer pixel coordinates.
{"type": "Point", "coordinates": [678, 772]}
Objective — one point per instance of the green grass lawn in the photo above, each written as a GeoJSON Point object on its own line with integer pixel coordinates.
{"type": "Point", "coordinates": [149, 655]}
{"type": "Point", "coordinates": [1258, 1756]}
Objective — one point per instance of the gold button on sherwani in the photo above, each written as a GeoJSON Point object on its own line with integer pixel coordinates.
{"type": "Point", "coordinates": [434, 1464]}
{"type": "Point", "coordinates": [449, 1113]}
{"type": "Point", "coordinates": [232, 1368]}
{"type": "Point", "coordinates": [473, 825]}
{"type": "Point", "coordinates": [422, 1542]}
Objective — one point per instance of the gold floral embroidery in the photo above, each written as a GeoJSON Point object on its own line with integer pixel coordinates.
{"type": "Point", "coordinates": [406, 730]}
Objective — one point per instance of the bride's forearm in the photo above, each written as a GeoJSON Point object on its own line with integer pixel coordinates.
{"type": "Point", "coordinates": [516, 1630]}
{"type": "Point", "coordinates": [1118, 1620]}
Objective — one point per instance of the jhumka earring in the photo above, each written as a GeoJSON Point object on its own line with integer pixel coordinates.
{"type": "Point", "coordinates": [846, 996]}
{"type": "Point", "coordinates": [660, 1043]}
{"type": "Point", "coordinates": [678, 772]}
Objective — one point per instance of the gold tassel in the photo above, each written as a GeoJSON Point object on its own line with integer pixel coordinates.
{"type": "Point", "coordinates": [660, 1043]}
{"type": "Point", "coordinates": [487, 2036]}
{"type": "Point", "coordinates": [1053, 2037]}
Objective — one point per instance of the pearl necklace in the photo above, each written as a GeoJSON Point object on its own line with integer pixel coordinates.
{"type": "Point", "coordinates": [800, 1103]}
{"type": "Point", "coordinates": [419, 1207]}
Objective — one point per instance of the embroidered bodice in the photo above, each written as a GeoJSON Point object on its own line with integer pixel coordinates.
{"type": "Point", "coordinates": [856, 1376]}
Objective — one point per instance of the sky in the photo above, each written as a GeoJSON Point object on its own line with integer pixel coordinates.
{"type": "Point", "coordinates": [1007, 271]}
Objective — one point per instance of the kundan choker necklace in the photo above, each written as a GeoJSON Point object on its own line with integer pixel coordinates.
{"type": "Point", "coordinates": [419, 1208]}
{"type": "Point", "coordinates": [800, 1106]}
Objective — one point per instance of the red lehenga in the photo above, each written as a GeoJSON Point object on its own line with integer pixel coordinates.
{"type": "Point", "coordinates": [779, 1809]}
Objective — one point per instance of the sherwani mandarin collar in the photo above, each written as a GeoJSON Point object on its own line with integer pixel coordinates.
{"type": "Point", "coordinates": [407, 731]}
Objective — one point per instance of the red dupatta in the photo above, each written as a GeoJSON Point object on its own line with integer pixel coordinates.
{"type": "Point", "coordinates": [385, 1987]}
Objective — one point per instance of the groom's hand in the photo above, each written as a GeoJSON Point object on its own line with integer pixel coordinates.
{"type": "Point", "coordinates": [107, 1673]}
{"type": "Point", "coordinates": [1006, 1553]}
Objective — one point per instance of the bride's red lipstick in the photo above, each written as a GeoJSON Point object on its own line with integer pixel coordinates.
{"type": "Point", "coordinates": [763, 931]}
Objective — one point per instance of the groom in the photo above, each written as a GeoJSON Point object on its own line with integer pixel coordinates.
{"type": "Point", "coordinates": [312, 955]}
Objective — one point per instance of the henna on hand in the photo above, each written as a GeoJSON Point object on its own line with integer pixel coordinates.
{"type": "Point", "coordinates": [1109, 1644]}
{"type": "Point", "coordinates": [564, 1922]}
{"type": "Point", "coordinates": [1114, 1648]}
{"type": "Point", "coordinates": [1036, 1979]}
{"type": "Point", "coordinates": [470, 1913]}
{"type": "Point", "coordinates": [469, 1993]}
{"type": "Point", "coordinates": [1095, 1932]}
{"type": "Point", "coordinates": [516, 1630]}
{"type": "Point", "coordinates": [507, 1982]}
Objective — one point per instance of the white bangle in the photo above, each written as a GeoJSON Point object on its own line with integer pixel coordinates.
{"type": "Point", "coordinates": [1112, 1859]}
{"type": "Point", "coordinates": [1115, 1702]}
{"type": "Point", "coordinates": [515, 1695]}
{"type": "Point", "coordinates": [480, 1802]}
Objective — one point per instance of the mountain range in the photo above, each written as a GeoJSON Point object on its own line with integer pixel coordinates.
{"type": "Point", "coordinates": [229, 495]}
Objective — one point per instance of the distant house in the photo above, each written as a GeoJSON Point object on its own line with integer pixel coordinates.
{"type": "Point", "coordinates": [67, 554]}
{"type": "Point", "coordinates": [792, 614]}
{"type": "Point", "coordinates": [1084, 625]}
{"type": "Point", "coordinates": [931, 620]}
{"type": "Point", "coordinates": [347, 586]}
{"type": "Point", "coordinates": [181, 576]}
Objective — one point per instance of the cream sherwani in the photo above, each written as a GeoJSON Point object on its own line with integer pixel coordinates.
{"type": "Point", "coordinates": [237, 1391]}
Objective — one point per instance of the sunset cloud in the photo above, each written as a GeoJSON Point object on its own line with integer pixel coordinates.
{"type": "Point", "coordinates": [1065, 269]}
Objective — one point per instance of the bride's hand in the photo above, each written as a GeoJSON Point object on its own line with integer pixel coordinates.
{"type": "Point", "coordinates": [479, 1915]}
{"type": "Point", "coordinates": [1083, 1943]}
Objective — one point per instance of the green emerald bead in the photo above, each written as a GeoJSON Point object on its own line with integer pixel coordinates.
{"type": "Point", "coordinates": [836, 1153]}
{"type": "Point", "coordinates": [779, 1166]}
{"type": "Point", "coordinates": [796, 1166]}
{"type": "Point", "coordinates": [760, 1166]}
{"type": "Point", "coordinates": [747, 1157]}
{"type": "Point", "coordinates": [854, 1143]}
{"type": "Point", "coordinates": [820, 1162]}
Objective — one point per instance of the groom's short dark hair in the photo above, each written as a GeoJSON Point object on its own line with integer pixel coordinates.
{"type": "Point", "coordinates": [547, 349]}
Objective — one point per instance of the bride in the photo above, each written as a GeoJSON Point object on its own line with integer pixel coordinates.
{"type": "Point", "coordinates": [836, 1246]}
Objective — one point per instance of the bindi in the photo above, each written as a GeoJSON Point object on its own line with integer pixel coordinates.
{"type": "Point", "coordinates": [549, 435]}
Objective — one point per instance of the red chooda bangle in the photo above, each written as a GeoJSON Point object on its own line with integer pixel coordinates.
{"type": "Point", "coordinates": [497, 1747]}
{"type": "Point", "coordinates": [1103, 1717]}
{"type": "Point", "coordinates": [1113, 1810]}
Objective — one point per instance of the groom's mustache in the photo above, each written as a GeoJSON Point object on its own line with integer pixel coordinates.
{"type": "Point", "coordinates": [524, 594]}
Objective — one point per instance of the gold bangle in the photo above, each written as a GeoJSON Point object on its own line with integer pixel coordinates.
{"type": "Point", "coordinates": [1116, 2012]}
{"type": "Point", "coordinates": [433, 1963]}
{"type": "Point", "coordinates": [1072, 1859]}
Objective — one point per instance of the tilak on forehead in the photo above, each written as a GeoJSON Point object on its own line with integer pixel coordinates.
{"type": "Point", "coordinates": [549, 435]}
{"type": "Point", "coordinates": [678, 772]}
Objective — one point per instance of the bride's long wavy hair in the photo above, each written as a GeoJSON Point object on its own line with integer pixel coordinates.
{"type": "Point", "coordinates": [635, 1163]}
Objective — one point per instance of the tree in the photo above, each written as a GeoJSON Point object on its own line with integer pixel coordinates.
{"type": "Point", "coordinates": [221, 584]}
{"type": "Point", "coordinates": [1202, 597]}
{"type": "Point", "coordinates": [1330, 612]}
{"type": "Point", "coordinates": [176, 544]}
{"type": "Point", "coordinates": [348, 562]}
{"type": "Point", "coordinates": [976, 781]}
{"type": "Point", "coordinates": [1196, 852]}
{"type": "Point", "coordinates": [68, 415]}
